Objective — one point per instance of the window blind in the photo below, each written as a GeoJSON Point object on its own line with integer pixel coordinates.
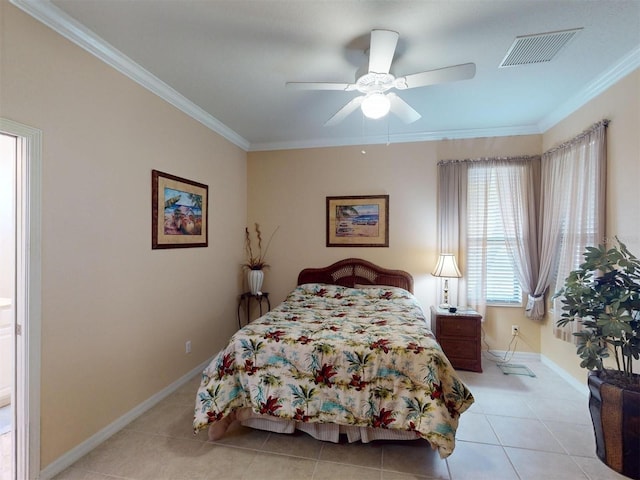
{"type": "Point", "coordinates": [486, 243]}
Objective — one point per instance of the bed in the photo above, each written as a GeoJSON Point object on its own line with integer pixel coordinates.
{"type": "Point", "coordinates": [347, 353]}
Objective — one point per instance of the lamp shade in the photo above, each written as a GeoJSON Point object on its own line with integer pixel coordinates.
{"type": "Point", "coordinates": [375, 105]}
{"type": "Point", "coordinates": [446, 266]}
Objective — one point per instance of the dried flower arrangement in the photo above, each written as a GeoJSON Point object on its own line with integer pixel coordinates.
{"type": "Point", "coordinates": [256, 261]}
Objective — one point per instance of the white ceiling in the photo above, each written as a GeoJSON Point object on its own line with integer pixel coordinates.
{"type": "Point", "coordinates": [226, 62]}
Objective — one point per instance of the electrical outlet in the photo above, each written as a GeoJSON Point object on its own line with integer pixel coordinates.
{"type": "Point", "coordinates": [187, 346]}
{"type": "Point", "coordinates": [515, 330]}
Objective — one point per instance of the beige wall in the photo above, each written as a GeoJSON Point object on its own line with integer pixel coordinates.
{"type": "Point", "coordinates": [289, 188]}
{"type": "Point", "coordinates": [621, 105]}
{"type": "Point", "coordinates": [115, 314]}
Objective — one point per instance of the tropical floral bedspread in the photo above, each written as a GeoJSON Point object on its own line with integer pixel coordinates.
{"type": "Point", "coordinates": [350, 356]}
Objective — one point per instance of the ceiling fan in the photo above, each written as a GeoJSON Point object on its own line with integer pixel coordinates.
{"type": "Point", "coordinates": [375, 102]}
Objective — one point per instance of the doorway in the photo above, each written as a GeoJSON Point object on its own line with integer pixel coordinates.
{"type": "Point", "coordinates": [8, 157]}
{"type": "Point", "coordinates": [20, 294]}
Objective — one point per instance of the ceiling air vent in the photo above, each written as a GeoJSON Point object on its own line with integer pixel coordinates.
{"type": "Point", "coordinates": [538, 48]}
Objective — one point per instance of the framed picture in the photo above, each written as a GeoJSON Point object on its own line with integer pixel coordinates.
{"type": "Point", "coordinates": [179, 212]}
{"type": "Point", "coordinates": [358, 221]}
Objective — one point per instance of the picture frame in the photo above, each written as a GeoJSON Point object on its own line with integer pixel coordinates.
{"type": "Point", "coordinates": [358, 221]}
{"type": "Point", "coordinates": [179, 212]}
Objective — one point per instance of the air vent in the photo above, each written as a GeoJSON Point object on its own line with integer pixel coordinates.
{"type": "Point", "coordinates": [538, 48]}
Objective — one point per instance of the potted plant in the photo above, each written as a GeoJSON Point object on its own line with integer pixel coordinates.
{"type": "Point", "coordinates": [256, 262]}
{"type": "Point", "coordinates": [604, 296]}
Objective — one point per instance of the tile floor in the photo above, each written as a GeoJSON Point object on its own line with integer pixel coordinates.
{"type": "Point", "coordinates": [5, 419]}
{"type": "Point", "coordinates": [5, 443]}
{"type": "Point", "coordinates": [5, 457]}
{"type": "Point", "coordinates": [519, 428]}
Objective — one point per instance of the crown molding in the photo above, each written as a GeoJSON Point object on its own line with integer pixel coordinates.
{"type": "Point", "coordinates": [618, 70]}
{"type": "Point", "coordinates": [400, 138]}
{"type": "Point", "coordinates": [71, 29]}
{"type": "Point", "coordinates": [59, 21]}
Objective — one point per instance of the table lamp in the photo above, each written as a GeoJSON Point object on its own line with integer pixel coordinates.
{"type": "Point", "coordinates": [446, 268]}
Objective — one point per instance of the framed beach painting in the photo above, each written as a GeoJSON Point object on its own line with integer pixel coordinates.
{"type": "Point", "coordinates": [179, 212]}
{"type": "Point", "coordinates": [358, 221]}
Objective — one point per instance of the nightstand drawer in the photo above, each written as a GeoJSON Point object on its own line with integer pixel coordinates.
{"type": "Point", "coordinates": [458, 327]}
{"type": "Point", "coordinates": [459, 349]}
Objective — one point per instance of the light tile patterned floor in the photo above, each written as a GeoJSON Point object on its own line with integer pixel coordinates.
{"type": "Point", "coordinates": [519, 428]}
{"type": "Point", "coordinates": [6, 472]}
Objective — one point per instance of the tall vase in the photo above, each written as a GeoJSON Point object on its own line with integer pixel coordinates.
{"type": "Point", "coordinates": [254, 279]}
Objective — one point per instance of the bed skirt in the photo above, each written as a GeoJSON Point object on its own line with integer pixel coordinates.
{"type": "Point", "coordinates": [326, 432]}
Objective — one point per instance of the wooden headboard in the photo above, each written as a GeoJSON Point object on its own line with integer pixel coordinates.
{"type": "Point", "coordinates": [352, 271]}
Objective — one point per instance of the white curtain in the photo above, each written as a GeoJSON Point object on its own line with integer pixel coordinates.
{"type": "Point", "coordinates": [546, 242]}
{"type": "Point", "coordinates": [477, 218]}
{"type": "Point", "coordinates": [572, 213]}
{"type": "Point", "coordinates": [518, 182]}
{"type": "Point", "coordinates": [516, 179]}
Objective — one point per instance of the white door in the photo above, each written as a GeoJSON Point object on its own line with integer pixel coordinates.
{"type": "Point", "coordinates": [21, 291]}
{"type": "Point", "coordinates": [8, 158]}
{"type": "Point", "coordinates": [6, 351]}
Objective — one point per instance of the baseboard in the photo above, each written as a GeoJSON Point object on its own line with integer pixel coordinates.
{"type": "Point", "coordinates": [537, 357]}
{"type": "Point", "coordinates": [581, 387]}
{"type": "Point", "coordinates": [65, 461]}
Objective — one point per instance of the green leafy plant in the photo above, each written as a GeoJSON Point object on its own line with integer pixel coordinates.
{"type": "Point", "coordinates": [256, 257]}
{"type": "Point", "coordinates": [604, 295]}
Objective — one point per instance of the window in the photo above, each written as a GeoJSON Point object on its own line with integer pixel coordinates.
{"type": "Point", "coordinates": [521, 224]}
{"type": "Point", "coordinates": [491, 273]}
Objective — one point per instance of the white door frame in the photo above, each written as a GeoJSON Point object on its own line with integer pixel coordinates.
{"type": "Point", "coordinates": [26, 385]}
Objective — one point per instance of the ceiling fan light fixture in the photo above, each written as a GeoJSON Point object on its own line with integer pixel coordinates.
{"type": "Point", "coordinates": [375, 105]}
{"type": "Point", "coordinates": [374, 102]}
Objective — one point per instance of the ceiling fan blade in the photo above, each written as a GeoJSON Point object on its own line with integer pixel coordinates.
{"type": "Point", "coordinates": [321, 86]}
{"type": "Point", "coordinates": [381, 50]}
{"type": "Point", "coordinates": [402, 109]}
{"type": "Point", "coordinates": [441, 75]}
{"type": "Point", "coordinates": [345, 111]}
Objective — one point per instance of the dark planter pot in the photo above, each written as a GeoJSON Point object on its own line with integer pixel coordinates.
{"type": "Point", "coordinates": [615, 414]}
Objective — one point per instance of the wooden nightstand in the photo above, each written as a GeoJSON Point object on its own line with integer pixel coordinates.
{"type": "Point", "coordinates": [459, 336]}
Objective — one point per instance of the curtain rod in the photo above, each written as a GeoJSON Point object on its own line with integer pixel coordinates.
{"type": "Point", "coordinates": [519, 158]}
{"type": "Point", "coordinates": [601, 124]}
